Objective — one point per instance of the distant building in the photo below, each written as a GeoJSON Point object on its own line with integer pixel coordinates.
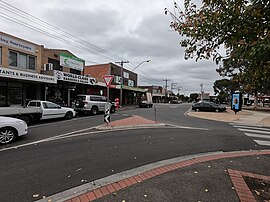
{"type": "Point", "coordinates": [131, 93]}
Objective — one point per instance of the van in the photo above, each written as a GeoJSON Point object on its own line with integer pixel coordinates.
{"type": "Point", "coordinates": [92, 104]}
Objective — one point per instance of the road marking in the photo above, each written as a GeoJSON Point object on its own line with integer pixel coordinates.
{"type": "Point", "coordinates": [255, 131]}
{"type": "Point", "coordinates": [257, 135]}
{"type": "Point", "coordinates": [251, 127]}
{"type": "Point", "coordinates": [262, 142]}
{"type": "Point", "coordinates": [76, 134]}
{"type": "Point", "coordinates": [185, 127]}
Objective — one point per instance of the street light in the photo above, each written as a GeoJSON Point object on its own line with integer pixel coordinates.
{"type": "Point", "coordinates": [140, 64]}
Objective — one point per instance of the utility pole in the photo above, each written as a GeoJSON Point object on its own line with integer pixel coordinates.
{"type": "Point", "coordinates": [178, 89]}
{"type": "Point", "coordinates": [172, 86]}
{"type": "Point", "coordinates": [166, 86]}
{"type": "Point", "coordinates": [201, 92]}
{"type": "Point", "coordinates": [122, 79]}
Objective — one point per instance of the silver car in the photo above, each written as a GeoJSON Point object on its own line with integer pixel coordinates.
{"type": "Point", "coordinates": [10, 128]}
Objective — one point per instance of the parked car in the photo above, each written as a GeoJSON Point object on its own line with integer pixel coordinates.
{"type": "Point", "coordinates": [38, 110]}
{"type": "Point", "coordinates": [145, 104]}
{"type": "Point", "coordinates": [51, 110]}
{"type": "Point", "coordinates": [176, 102]}
{"type": "Point", "coordinates": [208, 107]}
{"type": "Point", "coordinates": [92, 104]}
{"type": "Point", "coordinates": [10, 128]}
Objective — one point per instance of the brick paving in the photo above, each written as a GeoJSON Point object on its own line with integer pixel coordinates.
{"type": "Point", "coordinates": [241, 188]}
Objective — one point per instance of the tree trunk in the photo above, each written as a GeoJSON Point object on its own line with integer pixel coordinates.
{"type": "Point", "coordinates": [256, 101]}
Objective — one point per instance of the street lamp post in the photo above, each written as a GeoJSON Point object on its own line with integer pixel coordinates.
{"type": "Point", "coordinates": [140, 64]}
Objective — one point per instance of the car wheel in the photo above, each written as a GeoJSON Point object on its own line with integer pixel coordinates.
{"type": "Point", "coordinates": [7, 134]}
{"type": "Point", "coordinates": [69, 115]}
{"type": "Point", "coordinates": [217, 110]}
{"type": "Point", "coordinates": [94, 111]}
{"type": "Point", "coordinates": [197, 110]}
{"type": "Point", "coordinates": [112, 110]}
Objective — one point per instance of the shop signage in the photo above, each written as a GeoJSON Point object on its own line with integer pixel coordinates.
{"type": "Point", "coordinates": [64, 76]}
{"type": "Point", "coordinates": [71, 62]}
{"type": "Point", "coordinates": [16, 43]}
{"type": "Point", "coordinates": [23, 75]}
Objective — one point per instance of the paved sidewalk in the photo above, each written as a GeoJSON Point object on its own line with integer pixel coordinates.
{"type": "Point", "coordinates": [248, 117]}
{"type": "Point", "coordinates": [218, 177]}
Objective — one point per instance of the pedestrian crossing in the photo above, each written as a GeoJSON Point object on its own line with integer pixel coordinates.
{"type": "Point", "coordinates": [260, 135]}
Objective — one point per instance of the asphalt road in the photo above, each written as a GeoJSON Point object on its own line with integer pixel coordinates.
{"type": "Point", "coordinates": [49, 167]}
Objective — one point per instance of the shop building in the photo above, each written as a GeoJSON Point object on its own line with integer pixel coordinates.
{"type": "Point", "coordinates": [20, 66]}
{"type": "Point", "coordinates": [130, 92]}
{"type": "Point", "coordinates": [157, 93]}
{"type": "Point", "coordinates": [69, 73]}
{"type": "Point", "coordinates": [29, 71]}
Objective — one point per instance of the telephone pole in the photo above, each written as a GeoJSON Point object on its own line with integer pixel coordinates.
{"type": "Point", "coordinates": [166, 86]}
{"type": "Point", "coordinates": [201, 92]}
{"type": "Point", "coordinates": [121, 88]}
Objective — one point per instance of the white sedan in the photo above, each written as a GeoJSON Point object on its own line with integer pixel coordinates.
{"type": "Point", "coordinates": [10, 128]}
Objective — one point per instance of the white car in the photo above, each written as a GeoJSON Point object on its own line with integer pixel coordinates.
{"type": "Point", "coordinates": [10, 128]}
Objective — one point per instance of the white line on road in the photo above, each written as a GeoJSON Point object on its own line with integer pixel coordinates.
{"type": "Point", "coordinates": [250, 127]}
{"type": "Point", "coordinates": [254, 131]}
{"type": "Point", "coordinates": [257, 135]}
{"type": "Point", "coordinates": [264, 143]}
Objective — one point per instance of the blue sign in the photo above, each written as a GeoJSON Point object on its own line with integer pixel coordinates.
{"type": "Point", "coordinates": [236, 101]}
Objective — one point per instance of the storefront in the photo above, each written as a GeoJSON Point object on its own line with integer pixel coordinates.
{"type": "Point", "coordinates": [18, 87]}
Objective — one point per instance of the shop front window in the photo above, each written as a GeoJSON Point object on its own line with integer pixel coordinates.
{"type": "Point", "coordinates": [32, 62]}
{"type": "Point", "coordinates": [22, 60]}
{"type": "Point", "coordinates": [15, 95]}
{"type": "Point", "coordinates": [13, 58]}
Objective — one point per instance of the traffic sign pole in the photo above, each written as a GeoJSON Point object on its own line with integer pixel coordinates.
{"type": "Point", "coordinates": [108, 80]}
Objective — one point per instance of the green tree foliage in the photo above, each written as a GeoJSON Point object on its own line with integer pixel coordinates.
{"type": "Point", "coordinates": [240, 26]}
{"type": "Point", "coordinates": [224, 88]}
{"type": "Point", "coordinates": [194, 96]}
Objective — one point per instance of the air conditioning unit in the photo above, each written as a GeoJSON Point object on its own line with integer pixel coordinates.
{"type": "Point", "coordinates": [48, 67]}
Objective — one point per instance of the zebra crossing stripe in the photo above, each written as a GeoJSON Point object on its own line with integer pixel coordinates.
{"type": "Point", "coordinates": [262, 142]}
{"type": "Point", "coordinates": [249, 127]}
{"type": "Point", "coordinates": [257, 135]}
{"type": "Point", "coordinates": [254, 131]}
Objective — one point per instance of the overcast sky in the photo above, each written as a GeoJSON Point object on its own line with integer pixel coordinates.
{"type": "Point", "coordinates": [102, 31]}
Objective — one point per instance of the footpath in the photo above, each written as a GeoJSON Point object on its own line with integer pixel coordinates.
{"type": "Point", "coordinates": [219, 177]}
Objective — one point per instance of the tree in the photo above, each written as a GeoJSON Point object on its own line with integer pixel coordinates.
{"type": "Point", "coordinates": [240, 26]}
{"type": "Point", "coordinates": [224, 88]}
{"type": "Point", "coordinates": [194, 96]}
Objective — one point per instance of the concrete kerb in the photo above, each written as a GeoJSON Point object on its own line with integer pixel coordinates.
{"type": "Point", "coordinates": [96, 184]}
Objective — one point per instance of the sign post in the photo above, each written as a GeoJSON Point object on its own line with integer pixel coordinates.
{"type": "Point", "coordinates": [108, 80]}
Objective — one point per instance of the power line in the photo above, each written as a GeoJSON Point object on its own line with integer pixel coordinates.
{"type": "Point", "coordinates": [43, 24]}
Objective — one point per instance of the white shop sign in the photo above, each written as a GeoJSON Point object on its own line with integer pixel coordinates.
{"type": "Point", "coordinates": [23, 75]}
{"type": "Point", "coordinates": [64, 76]}
{"type": "Point", "coordinates": [15, 43]}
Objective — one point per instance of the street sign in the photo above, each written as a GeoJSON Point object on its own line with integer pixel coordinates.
{"type": "Point", "coordinates": [108, 79]}
{"type": "Point", "coordinates": [107, 117]}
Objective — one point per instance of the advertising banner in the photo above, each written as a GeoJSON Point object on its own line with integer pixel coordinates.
{"type": "Point", "coordinates": [29, 76]}
{"type": "Point", "coordinates": [64, 76]}
{"type": "Point", "coordinates": [71, 62]}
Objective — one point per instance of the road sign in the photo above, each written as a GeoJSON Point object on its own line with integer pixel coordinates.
{"type": "Point", "coordinates": [107, 117]}
{"type": "Point", "coordinates": [108, 79]}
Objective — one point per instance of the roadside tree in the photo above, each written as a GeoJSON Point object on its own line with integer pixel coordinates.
{"type": "Point", "coordinates": [239, 26]}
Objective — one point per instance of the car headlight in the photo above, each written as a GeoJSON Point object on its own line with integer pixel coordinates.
{"type": "Point", "coordinates": [21, 122]}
